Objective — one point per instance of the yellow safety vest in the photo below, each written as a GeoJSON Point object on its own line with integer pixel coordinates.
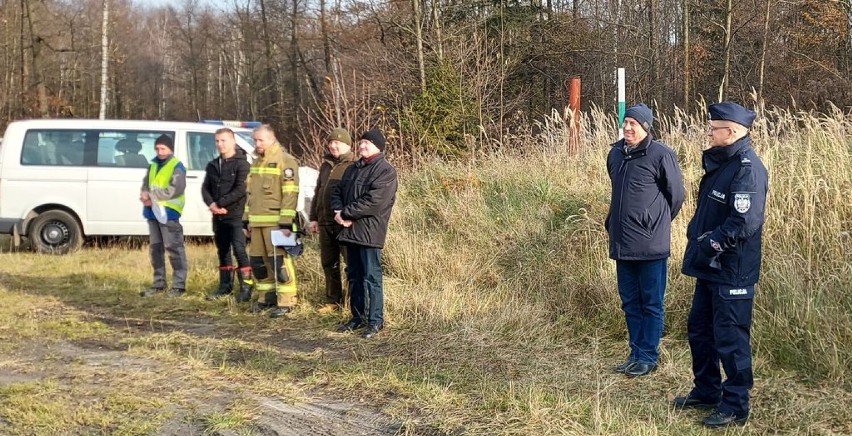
{"type": "Point", "coordinates": [162, 179]}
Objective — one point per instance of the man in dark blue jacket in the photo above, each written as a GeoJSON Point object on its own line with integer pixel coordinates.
{"type": "Point", "coordinates": [647, 194]}
{"type": "Point", "coordinates": [362, 203]}
{"type": "Point", "coordinates": [723, 253]}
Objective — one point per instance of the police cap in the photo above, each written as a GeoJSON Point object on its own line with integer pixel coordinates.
{"type": "Point", "coordinates": [730, 111]}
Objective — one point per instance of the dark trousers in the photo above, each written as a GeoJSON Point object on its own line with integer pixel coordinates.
{"type": "Point", "coordinates": [229, 237]}
{"type": "Point", "coordinates": [330, 253]}
{"type": "Point", "coordinates": [719, 329]}
{"type": "Point", "coordinates": [642, 287]}
{"type": "Point", "coordinates": [365, 284]}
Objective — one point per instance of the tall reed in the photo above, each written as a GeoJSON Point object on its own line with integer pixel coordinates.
{"type": "Point", "coordinates": [511, 244]}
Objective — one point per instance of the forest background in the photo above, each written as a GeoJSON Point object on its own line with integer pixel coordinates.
{"type": "Point", "coordinates": [439, 76]}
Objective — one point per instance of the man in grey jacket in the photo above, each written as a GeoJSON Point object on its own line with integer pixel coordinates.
{"type": "Point", "coordinates": [647, 194]}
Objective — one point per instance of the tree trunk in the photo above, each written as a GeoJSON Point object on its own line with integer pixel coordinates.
{"type": "Point", "coordinates": [418, 35]}
{"type": "Point", "coordinates": [653, 54]}
{"type": "Point", "coordinates": [294, 68]}
{"type": "Point", "coordinates": [686, 70]}
{"type": "Point", "coordinates": [104, 62]}
{"type": "Point", "coordinates": [326, 41]}
{"type": "Point", "coordinates": [848, 51]}
{"type": "Point", "coordinates": [726, 69]}
{"type": "Point", "coordinates": [439, 38]}
{"type": "Point", "coordinates": [35, 48]}
{"type": "Point", "coordinates": [270, 62]}
{"type": "Point", "coordinates": [763, 50]}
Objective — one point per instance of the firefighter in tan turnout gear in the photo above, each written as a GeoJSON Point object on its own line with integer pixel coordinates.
{"type": "Point", "coordinates": [273, 192]}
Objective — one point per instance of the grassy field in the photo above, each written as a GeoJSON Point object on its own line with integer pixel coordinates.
{"type": "Point", "coordinates": [503, 315]}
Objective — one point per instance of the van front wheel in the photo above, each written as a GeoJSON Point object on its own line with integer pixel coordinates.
{"type": "Point", "coordinates": [55, 232]}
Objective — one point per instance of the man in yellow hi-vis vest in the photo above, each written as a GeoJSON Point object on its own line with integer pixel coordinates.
{"type": "Point", "coordinates": [162, 194]}
{"type": "Point", "coordinates": [273, 193]}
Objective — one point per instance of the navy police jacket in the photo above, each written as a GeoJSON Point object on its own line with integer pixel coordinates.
{"type": "Point", "coordinates": [725, 235]}
{"type": "Point", "coordinates": [647, 194]}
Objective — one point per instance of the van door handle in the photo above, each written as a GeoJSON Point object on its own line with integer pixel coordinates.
{"type": "Point", "coordinates": [191, 177]}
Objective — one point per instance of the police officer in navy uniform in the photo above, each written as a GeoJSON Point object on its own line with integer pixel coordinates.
{"type": "Point", "coordinates": [723, 254]}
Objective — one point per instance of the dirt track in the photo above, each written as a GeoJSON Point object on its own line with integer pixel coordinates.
{"type": "Point", "coordinates": [90, 370]}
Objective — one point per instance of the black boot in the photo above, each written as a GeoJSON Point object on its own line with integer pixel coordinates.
{"type": "Point", "coordinates": [226, 283]}
{"type": "Point", "coordinates": [246, 283]}
{"type": "Point", "coordinates": [265, 301]}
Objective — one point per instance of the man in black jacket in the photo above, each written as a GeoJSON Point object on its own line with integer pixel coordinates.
{"type": "Point", "coordinates": [647, 194]}
{"type": "Point", "coordinates": [723, 252]}
{"type": "Point", "coordinates": [224, 192]}
{"type": "Point", "coordinates": [362, 203]}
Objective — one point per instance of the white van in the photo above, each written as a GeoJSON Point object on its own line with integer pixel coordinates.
{"type": "Point", "coordinates": [62, 180]}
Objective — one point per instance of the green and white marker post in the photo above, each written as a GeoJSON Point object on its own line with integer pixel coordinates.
{"type": "Point", "coordinates": [622, 105]}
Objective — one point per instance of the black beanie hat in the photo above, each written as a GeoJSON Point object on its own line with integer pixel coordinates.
{"type": "Point", "coordinates": [643, 115]}
{"type": "Point", "coordinates": [165, 140]}
{"type": "Point", "coordinates": [375, 136]}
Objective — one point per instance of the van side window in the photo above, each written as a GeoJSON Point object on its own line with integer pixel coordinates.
{"type": "Point", "coordinates": [125, 148]}
{"type": "Point", "coordinates": [201, 148]}
{"type": "Point", "coordinates": [54, 147]}
{"type": "Point", "coordinates": [89, 147]}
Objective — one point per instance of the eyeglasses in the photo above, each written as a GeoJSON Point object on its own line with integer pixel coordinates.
{"type": "Point", "coordinates": [712, 129]}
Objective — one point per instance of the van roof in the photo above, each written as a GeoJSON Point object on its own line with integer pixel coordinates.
{"type": "Point", "coordinates": [76, 123]}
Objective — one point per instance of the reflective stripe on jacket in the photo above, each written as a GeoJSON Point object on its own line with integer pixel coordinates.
{"type": "Point", "coordinates": [273, 189]}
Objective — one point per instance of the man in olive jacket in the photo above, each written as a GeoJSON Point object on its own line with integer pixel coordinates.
{"type": "Point", "coordinates": [362, 203]}
{"type": "Point", "coordinates": [335, 163]}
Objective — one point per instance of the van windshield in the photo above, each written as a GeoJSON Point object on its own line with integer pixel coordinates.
{"type": "Point", "coordinates": [247, 137]}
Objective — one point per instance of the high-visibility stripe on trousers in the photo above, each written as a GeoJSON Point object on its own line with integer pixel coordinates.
{"type": "Point", "coordinates": [265, 265]}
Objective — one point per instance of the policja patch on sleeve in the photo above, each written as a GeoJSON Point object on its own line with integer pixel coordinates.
{"type": "Point", "coordinates": [742, 202]}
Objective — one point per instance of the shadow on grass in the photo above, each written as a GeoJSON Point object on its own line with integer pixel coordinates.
{"type": "Point", "coordinates": [301, 349]}
{"type": "Point", "coordinates": [110, 299]}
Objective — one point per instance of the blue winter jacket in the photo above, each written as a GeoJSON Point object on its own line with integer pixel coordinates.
{"type": "Point", "coordinates": [725, 235]}
{"type": "Point", "coordinates": [647, 194]}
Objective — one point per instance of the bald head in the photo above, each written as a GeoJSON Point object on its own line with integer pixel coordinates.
{"type": "Point", "coordinates": [264, 137]}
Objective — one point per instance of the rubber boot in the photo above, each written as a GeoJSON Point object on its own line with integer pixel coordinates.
{"type": "Point", "coordinates": [246, 283]}
{"type": "Point", "coordinates": [265, 301]}
{"type": "Point", "coordinates": [226, 283]}
{"type": "Point", "coordinates": [278, 312]}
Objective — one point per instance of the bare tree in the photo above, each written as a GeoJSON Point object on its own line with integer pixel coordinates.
{"type": "Point", "coordinates": [418, 37]}
{"type": "Point", "coordinates": [104, 61]}
{"type": "Point", "coordinates": [686, 51]}
{"type": "Point", "coordinates": [764, 47]}
{"type": "Point", "coordinates": [726, 69]}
